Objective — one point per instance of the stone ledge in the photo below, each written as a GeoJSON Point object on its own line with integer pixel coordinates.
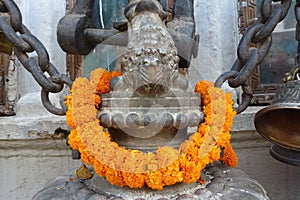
{"type": "Point", "coordinates": [49, 126]}
{"type": "Point", "coordinates": [35, 148]}
{"type": "Point", "coordinates": [32, 120]}
{"type": "Point", "coordinates": [245, 120]}
{"type": "Point", "coordinates": [16, 127]}
{"type": "Point", "coordinates": [248, 139]}
{"type": "Point", "coordinates": [39, 144]}
{"type": "Point", "coordinates": [50, 146]}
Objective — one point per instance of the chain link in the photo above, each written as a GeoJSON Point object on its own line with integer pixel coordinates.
{"type": "Point", "coordinates": [297, 36]}
{"type": "Point", "coordinates": [297, 16]}
{"type": "Point", "coordinates": [24, 42]}
{"type": "Point", "coordinates": [259, 35]}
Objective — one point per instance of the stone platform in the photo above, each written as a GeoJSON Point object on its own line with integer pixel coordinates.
{"type": "Point", "coordinates": [221, 182]}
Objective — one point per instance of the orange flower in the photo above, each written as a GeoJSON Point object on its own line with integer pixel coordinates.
{"type": "Point", "coordinates": [167, 166]}
{"type": "Point", "coordinates": [100, 169]}
{"type": "Point", "coordinates": [134, 180]}
{"type": "Point", "coordinates": [229, 157]}
{"type": "Point", "coordinates": [154, 180]}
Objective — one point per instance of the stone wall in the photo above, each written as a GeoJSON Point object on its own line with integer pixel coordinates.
{"type": "Point", "coordinates": [27, 165]}
{"type": "Point", "coordinates": [32, 152]}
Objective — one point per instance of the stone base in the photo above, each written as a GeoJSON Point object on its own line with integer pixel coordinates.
{"type": "Point", "coordinates": [221, 182]}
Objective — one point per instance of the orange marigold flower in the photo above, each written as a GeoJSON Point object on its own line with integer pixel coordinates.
{"type": "Point", "coordinates": [155, 180]}
{"type": "Point", "coordinates": [97, 101]}
{"type": "Point", "coordinates": [114, 74]}
{"type": "Point", "coordinates": [167, 166]}
{"type": "Point", "coordinates": [229, 157]}
{"type": "Point", "coordinates": [115, 177]}
{"type": "Point", "coordinates": [134, 180]}
{"type": "Point", "coordinates": [100, 169]}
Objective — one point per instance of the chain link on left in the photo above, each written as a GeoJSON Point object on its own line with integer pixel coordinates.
{"type": "Point", "coordinates": [25, 42]}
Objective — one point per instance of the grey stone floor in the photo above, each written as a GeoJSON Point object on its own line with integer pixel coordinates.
{"type": "Point", "coordinates": [280, 180]}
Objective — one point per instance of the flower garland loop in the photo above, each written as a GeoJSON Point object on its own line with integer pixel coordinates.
{"type": "Point", "coordinates": [133, 168]}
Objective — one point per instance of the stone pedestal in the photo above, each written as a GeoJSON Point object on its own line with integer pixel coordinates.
{"type": "Point", "coordinates": [220, 182]}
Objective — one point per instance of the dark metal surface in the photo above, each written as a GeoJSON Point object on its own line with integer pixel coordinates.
{"type": "Point", "coordinates": [150, 103]}
{"type": "Point", "coordinates": [297, 36]}
{"type": "Point", "coordinates": [77, 33]}
{"type": "Point", "coordinates": [297, 15]}
{"type": "Point", "coordinates": [258, 34]}
{"type": "Point", "coordinates": [109, 37]}
{"type": "Point", "coordinates": [285, 155]}
{"type": "Point", "coordinates": [182, 29]}
{"type": "Point", "coordinates": [279, 122]}
{"type": "Point", "coordinates": [24, 42]}
{"type": "Point", "coordinates": [70, 29]}
{"type": "Point", "coordinates": [5, 44]}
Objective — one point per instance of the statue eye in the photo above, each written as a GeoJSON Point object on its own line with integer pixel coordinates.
{"type": "Point", "coordinates": [163, 51]}
{"type": "Point", "coordinates": [155, 61]}
{"type": "Point", "coordinates": [147, 50]}
{"type": "Point", "coordinates": [146, 62]}
{"type": "Point", "coordinates": [138, 52]}
{"type": "Point", "coordinates": [133, 60]}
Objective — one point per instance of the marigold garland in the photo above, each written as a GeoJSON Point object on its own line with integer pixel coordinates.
{"type": "Point", "coordinates": [167, 166]}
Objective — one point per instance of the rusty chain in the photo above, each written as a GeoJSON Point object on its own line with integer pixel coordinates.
{"type": "Point", "coordinates": [259, 34]}
{"type": "Point", "coordinates": [24, 42]}
{"type": "Point", "coordinates": [297, 34]}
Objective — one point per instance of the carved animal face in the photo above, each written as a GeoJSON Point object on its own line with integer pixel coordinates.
{"type": "Point", "coordinates": [150, 62]}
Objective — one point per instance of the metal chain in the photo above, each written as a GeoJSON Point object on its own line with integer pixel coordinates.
{"type": "Point", "coordinates": [258, 34]}
{"type": "Point", "coordinates": [24, 42]}
{"type": "Point", "coordinates": [297, 34]}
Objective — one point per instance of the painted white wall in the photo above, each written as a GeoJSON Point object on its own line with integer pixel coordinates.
{"type": "Point", "coordinates": [27, 166]}
{"type": "Point", "coordinates": [217, 25]}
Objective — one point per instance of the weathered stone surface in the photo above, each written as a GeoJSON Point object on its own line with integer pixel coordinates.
{"type": "Point", "coordinates": [28, 165]}
{"type": "Point", "coordinates": [225, 183]}
{"type": "Point", "coordinates": [31, 125]}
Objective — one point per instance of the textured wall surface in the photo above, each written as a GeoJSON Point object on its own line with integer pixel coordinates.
{"type": "Point", "coordinates": [216, 23]}
{"type": "Point", "coordinates": [27, 165]}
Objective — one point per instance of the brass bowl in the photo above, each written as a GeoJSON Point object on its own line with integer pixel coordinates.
{"type": "Point", "coordinates": [280, 123]}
